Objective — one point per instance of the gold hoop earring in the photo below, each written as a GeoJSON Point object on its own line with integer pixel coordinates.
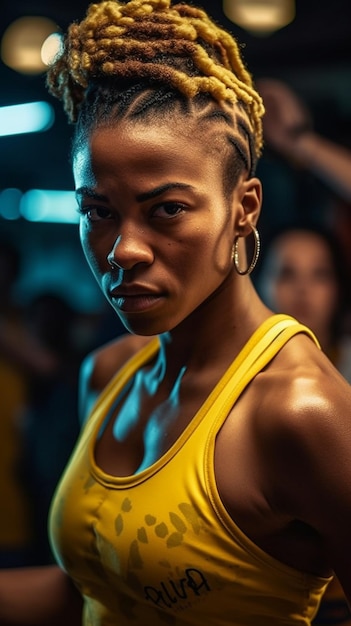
{"type": "Point", "coordinates": [256, 253]}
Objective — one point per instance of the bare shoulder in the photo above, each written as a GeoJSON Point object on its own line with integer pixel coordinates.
{"type": "Point", "coordinates": [303, 382]}
{"type": "Point", "coordinates": [109, 358]}
{"type": "Point", "coordinates": [303, 400]}
{"type": "Point", "coordinates": [99, 367]}
{"type": "Point", "coordinates": [303, 422]}
{"type": "Point", "coordinates": [303, 446]}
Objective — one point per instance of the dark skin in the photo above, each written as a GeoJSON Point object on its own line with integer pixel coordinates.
{"type": "Point", "coordinates": [39, 596]}
{"type": "Point", "coordinates": [271, 434]}
{"type": "Point", "coordinates": [276, 449]}
{"type": "Point", "coordinates": [152, 203]}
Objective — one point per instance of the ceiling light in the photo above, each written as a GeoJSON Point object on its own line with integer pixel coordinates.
{"type": "Point", "coordinates": [261, 17]}
{"type": "Point", "coordinates": [22, 43]}
{"type": "Point", "coordinates": [51, 48]}
{"type": "Point", "coordinates": [32, 117]}
{"type": "Point", "coordinates": [47, 205]}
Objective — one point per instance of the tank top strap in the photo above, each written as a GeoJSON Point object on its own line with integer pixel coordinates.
{"type": "Point", "coordinates": [260, 349]}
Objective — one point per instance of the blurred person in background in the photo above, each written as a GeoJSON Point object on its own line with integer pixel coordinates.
{"type": "Point", "coordinates": [289, 133]}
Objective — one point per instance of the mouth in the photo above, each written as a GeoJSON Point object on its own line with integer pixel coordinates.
{"type": "Point", "coordinates": [135, 302]}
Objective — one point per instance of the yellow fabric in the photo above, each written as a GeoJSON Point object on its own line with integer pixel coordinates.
{"type": "Point", "coordinates": [158, 547]}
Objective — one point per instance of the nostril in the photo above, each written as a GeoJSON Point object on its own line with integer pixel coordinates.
{"type": "Point", "coordinates": [128, 252]}
{"type": "Point", "coordinates": [111, 260]}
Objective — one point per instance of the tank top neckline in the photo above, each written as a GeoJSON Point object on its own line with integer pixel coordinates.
{"type": "Point", "coordinates": [261, 337]}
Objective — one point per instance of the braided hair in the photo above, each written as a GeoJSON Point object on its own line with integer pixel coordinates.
{"type": "Point", "coordinates": [140, 55]}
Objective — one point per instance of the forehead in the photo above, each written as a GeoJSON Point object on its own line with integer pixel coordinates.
{"type": "Point", "coordinates": [144, 142]}
{"type": "Point", "coordinates": [139, 154]}
{"type": "Point", "coordinates": [301, 248]}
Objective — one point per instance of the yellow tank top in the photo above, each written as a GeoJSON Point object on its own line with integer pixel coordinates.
{"type": "Point", "coordinates": [159, 548]}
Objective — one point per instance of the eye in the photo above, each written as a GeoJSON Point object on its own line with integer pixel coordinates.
{"type": "Point", "coordinates": [94, 213]}
{"type": "Point", "coordinates": [324, 275]}
{"type": "Point", "coordinates": [167, 210]}
{"type": "Point", "coordinates": [286, 274]}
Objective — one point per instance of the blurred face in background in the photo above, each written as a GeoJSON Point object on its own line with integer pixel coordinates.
{"type": "Point", "coordinates": [300, 279]}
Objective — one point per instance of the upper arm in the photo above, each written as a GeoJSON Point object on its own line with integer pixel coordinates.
{"type": "Point", "coordinates": [308, 443]}
{"type": "Point", "coordinates": [40, 596]}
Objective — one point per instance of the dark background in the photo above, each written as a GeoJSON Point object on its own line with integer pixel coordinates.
{"type": "Point", "coordinates": [312, 54]}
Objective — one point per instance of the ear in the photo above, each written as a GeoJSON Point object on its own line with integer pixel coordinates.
{"type": "Point", "coordinates": [248, 198]}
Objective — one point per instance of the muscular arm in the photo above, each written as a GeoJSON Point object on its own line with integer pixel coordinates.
{"type": "Point", "coordinates": [309, 447]}
{"type": "Point", "coordinates": [39, 596]}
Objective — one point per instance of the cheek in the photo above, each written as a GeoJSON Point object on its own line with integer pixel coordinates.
{"type": "Point", "coordinates": [283, 293]}
{"type": "Point", "coordinates": [326, 296]}
{"type": "Point", "coordinates": [89, 250]}
{"type": "Point", "coordinates": [205, 259]}
{"type": "Point", "coordinates": [214, 245]}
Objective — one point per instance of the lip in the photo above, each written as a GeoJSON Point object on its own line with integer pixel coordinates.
{"type": "Point", "coordinates": [134, 299]}
{"type": "Point", "coordinates": [135, 304]}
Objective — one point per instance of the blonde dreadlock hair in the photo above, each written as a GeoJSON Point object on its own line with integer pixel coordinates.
{"type": "Point", "coordinates": [131, 47]}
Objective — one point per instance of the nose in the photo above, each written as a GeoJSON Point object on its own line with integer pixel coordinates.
{"type": "Point", "coordinates": [303, 283]}
{"type": "Point", "coordinates": [129, 250]}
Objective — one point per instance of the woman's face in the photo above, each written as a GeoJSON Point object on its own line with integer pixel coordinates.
{"type": "Point", "coordinates": [151, 197]}
{"type": "Point", "coordinates": [302, 280]}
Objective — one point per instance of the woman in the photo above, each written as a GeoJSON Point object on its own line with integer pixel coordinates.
{"type": "Point", "coordinates": [304, 276]}
{"type": "Point", "coordinates": [206, 485]}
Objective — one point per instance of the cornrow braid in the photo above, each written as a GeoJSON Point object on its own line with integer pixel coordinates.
{"type": "Point", "coordinates": [150, 40]}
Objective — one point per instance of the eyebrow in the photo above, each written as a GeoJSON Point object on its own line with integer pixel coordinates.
{"type": "Point", "coordinates": [141, 197]}
{"type": "Point", "coordinates": [158, 191]}
{"type": "Point", "coordinates": [87, 191]}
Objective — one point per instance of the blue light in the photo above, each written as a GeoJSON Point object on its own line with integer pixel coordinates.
{"type": "Point", "coordinates": [39, 205]}
{"type": "Point", "coordinates": [32, 117]}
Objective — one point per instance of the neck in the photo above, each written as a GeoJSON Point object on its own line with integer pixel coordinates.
{"type": "Point", "coordinates": [325, 339]}
{"type": "Point", "coordinates": [216, 331]}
